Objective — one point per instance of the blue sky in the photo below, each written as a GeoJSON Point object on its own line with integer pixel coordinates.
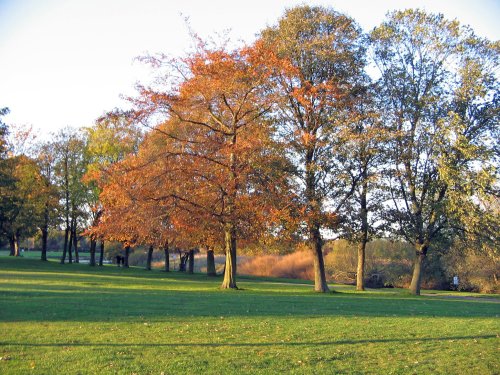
{"type": "Point", "coordinates": [66, 62]}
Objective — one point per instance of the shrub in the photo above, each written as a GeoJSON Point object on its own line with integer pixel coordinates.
{"type": "Point", "coordinates": [477, 272]}
{"type": "Point", "coordinates": [387, 263]}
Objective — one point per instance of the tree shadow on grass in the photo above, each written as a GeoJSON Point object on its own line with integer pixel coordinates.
{"type": "Point", "coordinates": [250, 344]}
{"type": "Point", "coordinates": [90, 304]}
{"type": "Point", "coordinates": [40, 291]}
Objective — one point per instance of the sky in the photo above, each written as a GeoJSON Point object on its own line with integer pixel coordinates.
{"type": "Point", "coordinates": [66, 62]}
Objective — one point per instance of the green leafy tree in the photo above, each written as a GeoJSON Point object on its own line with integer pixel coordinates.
{"type": "Point", "coordinates": [441, 106]}
{"type": "Point", "coordinates": [362, 154]}
{"type": "Point", "coordinates": [46, 160]}
{"type": "Point", "coordinates": [22, 201]}
{"type": "Point", "coordinates": [69, 168]}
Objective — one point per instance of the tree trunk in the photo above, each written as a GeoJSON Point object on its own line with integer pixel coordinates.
{"type": "Point", "coordinates": [70, 247]}
{"type": "Point", "coordinates": [65, 248]}
{"type": "Point", "coordinates": [420, 255]}
{"type": "Point", "coordinates": [360, 274]}
{"type": "Point", "coordinates": [101, 255]}
{"type": "Point", "coordinates": [229, 281]}
{"type": "Point", "coordinates": [320, 284]}
{"type": "Point", "coordinates": [150, 257]}
{"type": "Point", "coordinates": [17, 251]}
{"type": "Point", "coordinates": [211, 263]}
{"type": "Point", "coordinates": [75, 244]}
{"type": "Point", "coordinates": [314, 207]}
{"type": "Point", "coordinates": [167, 258]}
{"type": "Point", "coordinates": [45, 236]}
{"type": "Point", "coordinates": [93, 244]}
{"type": "Point", "coordinates": [127, 253]}
{"type": "Point", "coordinates": [191, 261]}
{"type": "Point", "coordinates": [12, 243]}
{"type": "Point", "coordinates": [182, 262]}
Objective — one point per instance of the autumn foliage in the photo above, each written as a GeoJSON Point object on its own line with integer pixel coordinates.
{"type": "Point", "coordinates": [289, 139]}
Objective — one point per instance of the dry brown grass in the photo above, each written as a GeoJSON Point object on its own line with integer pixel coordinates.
{"type": "Point", "coordinates": [298, 265]}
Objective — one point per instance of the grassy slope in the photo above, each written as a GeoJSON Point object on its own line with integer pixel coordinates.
{"type": "Point", "coordinates": [73, 319]}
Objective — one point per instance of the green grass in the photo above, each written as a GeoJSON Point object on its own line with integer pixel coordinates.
{"type": "Point", "coordinates": [35, 254]}
{"type": "Point", "coordinates": [74, 319]}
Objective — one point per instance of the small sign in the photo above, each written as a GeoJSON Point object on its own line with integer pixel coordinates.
{"type": "Point", "coordinates": [455, 280]}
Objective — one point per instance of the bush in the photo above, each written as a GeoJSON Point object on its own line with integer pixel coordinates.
{"type": "Point", "coordinates": [477, 272]}
{"type": "Point", "coordinates": [387, 263]}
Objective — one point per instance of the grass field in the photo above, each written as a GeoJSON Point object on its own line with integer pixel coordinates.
{"type": "Point", "coordinates": [74, 319]}
{"type": "Point", "coordinates": [34, 254]}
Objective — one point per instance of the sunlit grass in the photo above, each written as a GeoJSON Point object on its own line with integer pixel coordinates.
{"type": "Point", "coordinates": [72, 319]}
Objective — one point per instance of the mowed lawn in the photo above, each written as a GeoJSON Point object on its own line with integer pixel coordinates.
{"type": "Point", "coordinates": [72, 319]}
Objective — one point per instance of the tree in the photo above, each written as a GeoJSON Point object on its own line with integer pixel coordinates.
{"type": "Point", "coordinates": [6, 179]}
{"type": "Point", "coordinates": [319, 76]}
{"type": "Point", "coordinates": [113, 137]}
{"type": "Point", "coordinates": [46, 158]}
{"type": "Point", "coordinates": [362, 153]}
{"type": "Point", "coordinates": [215, 133]}
{"type": "Point", "coordinates": [70, 168]}
{"type": "Point", "coordinates": [21, 187]}
{"type": "Point", "coordinates": [22, 201]}
{"type": "Point", "coordinates": [441, 105]}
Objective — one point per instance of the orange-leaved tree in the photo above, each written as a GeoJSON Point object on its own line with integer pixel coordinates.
{"type": "Point", "coordinates": [216, 137]}
{"type": "Point", "coordinates": [320, 77]}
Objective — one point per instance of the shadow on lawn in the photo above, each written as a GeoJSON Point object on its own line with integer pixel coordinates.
{"type": "Point", "coordinates": [38, 291]}
{"type": "Point", "coordinates": [251, 344]}
{"type": "Point", "coordinates": [115, 305]}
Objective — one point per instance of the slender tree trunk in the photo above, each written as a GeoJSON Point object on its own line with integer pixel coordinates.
{"type": "Point", "coordinates": [320, 284]}
{"type": "Point", "coordinates": [65, 248]}
{"type": "Point", "coordinates": [229, 281]}
{"type": "Point", "coordinates": [191, 261]}
{"type": "Point", "coordinates": [17, 251]}
{"type": "Point", "coordinates": [211, 263]}
{"type": "Point", "coordinates": [75, 244]}
{"type": "Point", "coordinates": [45, 236]}
{"type": "Point", "coordinates": [45, 231]}
{"type": "Point", "coordinates": [12, 243]}
{"type": "Point", "coordinates": [416, 281]}
{"type": "Point", "coordinates": [66, 194]}
{"type": "Point", "coordinates": [167, 257]}
{"type": "Point", "coordinates": [127, 253]}
{"type": "Point", "coordinates": [70, 247]}
{"type": "Point", "coordinates": [93, 244]}
{"type": "Point", "coordinates": [101, 255]}
{"type": "Point", "coordinates": [150, 257]}
{"type": "Point", "coordinates": [360, 274]}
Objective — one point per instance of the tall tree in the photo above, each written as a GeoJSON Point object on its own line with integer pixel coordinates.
{"type": "Point", "coordinates": [70, 168]}
{"type": "Point", "coordinates": [22, 200]}
{"type": "Point", "coordinates": [113, 137]}
{"type": "Point", "coordinates": [216, 115]}
{"type": "Point", "coordinates": [46, 158]}
{"type": "Point", "coordinates": [6, 179]}
{"type": "Point", "coordinates": [323, 53]}
{"type": "Point", "coordinates": [441, 104]}
{"type": "Point", "coordinates": [362, 154]}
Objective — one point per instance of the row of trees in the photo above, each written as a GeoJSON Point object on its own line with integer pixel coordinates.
{"type": "Point", "coordinates": [290, 139]}
{"type": "Point", "coordinates": [48, 184]}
